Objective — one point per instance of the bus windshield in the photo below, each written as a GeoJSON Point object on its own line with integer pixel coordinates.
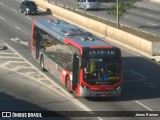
{"type": "Point", "coordinates": [100, 71]}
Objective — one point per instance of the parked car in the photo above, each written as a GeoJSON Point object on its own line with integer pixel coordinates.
{"type": "Point", "coordinates": [88, 4]}
{"type": "Point", "coordinates": [29, 7]}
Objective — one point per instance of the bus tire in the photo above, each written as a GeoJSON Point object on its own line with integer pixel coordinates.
{"type": "Point", "coordinates": [68, 84]}
{"type": "Point", "coordinates": [79, 6]}
{"type": "Point", "coordinates": [20, 10]}
{"type": "Point", "coordinates": [85, 8]}
{"type": "Point", "coordinates": [25, 12]}
{"type": "Point", "coordinates": [42, 63]}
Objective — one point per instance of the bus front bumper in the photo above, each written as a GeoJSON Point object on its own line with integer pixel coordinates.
{"type": "Point", "coordinates": [89, 93]}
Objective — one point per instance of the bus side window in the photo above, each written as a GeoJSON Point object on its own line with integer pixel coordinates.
{"type": "Point", "coordinates": [35, 35]}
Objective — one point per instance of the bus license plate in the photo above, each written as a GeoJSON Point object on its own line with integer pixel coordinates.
{"type": "Point", "coordinates": [101, 94]}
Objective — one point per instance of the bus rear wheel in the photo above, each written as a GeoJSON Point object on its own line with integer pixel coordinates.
{"type": "Point", "coordinates": [79, 6]}
{"type": "Point", "coordinates": [42, 63]}
{"type": "Point", "coordinates": [68, 84]}
{"type": "Point", "coordinates": [85, 8]}
{"type": "Point", "coordinates": [20, 10]}
{"type": "Point", "coordinates": [25, 12]}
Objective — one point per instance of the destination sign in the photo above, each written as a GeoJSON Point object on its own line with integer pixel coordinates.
{"type": "Point", "coordinates": [102, 52]}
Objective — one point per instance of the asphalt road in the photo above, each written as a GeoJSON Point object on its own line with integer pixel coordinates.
{"type": "Point", "coordinates": [145, 15]}
{"type": "Point", "coordinates": [19, 94]}
{"type": "Point", "coordinates": [140, 89]}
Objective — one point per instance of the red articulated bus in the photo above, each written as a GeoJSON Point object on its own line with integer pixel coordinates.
{"type": "Point", "coordinates": [85, 64]}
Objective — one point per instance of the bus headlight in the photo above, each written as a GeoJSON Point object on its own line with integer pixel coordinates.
{"type": "Point", "coordinates": [85, 87]}
{"type": "Point", "coordinates": [71, 76]}
{"type": "Point", "coordinates": [27, 9]}
{"type": "Point", "coordinates": [119, 87]}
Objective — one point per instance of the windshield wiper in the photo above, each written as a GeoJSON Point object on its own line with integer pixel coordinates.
{"type": "Point", "coordinates": [102, 82]}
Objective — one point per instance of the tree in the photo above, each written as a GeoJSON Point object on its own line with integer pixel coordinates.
{"type": "Point", "coordinates": [121, 7]}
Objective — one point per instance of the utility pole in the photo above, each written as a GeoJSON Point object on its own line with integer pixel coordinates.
{"type": "Point", "coordinates": [117, 14]}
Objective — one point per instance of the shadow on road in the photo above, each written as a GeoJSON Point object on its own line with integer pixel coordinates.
{"type": "Point", "coordinates": [46, 12]}
{"type": "Point", "coordinates": [11, 104]}
{"type": "Point", "coordinates": [153, 27]}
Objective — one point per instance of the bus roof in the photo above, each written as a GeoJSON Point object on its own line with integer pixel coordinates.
{"type": "Point", "coordinates": [61, 30]}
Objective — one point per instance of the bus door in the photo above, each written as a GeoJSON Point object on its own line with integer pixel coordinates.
{"type": "Point", "coordinates": [37, 42]}
{"type": "Point", "coordinates": [76, 71]}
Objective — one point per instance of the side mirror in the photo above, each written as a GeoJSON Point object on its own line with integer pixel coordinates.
{"type": "Point", "coordinates": [80, 63]}
{"type": "Point", "coordinates": [80, 66]}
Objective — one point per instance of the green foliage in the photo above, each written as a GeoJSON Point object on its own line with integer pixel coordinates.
{"type": "Point", "coordinates": [123, 6]}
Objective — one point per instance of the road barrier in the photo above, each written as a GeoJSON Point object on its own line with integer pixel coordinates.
{"type": "Point", "coordinates": [156, 1]}
{"type": "Point", "coordinates": [151, 48]}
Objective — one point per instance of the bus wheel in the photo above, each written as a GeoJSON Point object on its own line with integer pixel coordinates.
{"type": "Point", "coordinates": [85, 8]}
{"type": "Point", "coordinates": [42, 63]}
{"type": "Point", "coordinates": [25, 12]}
{"type": "Point", "coordinates": [68, 84]}
{"type": "Point", "coordinates": [20, 10]}
{"type": "Point", "coordinates": [79, 6]}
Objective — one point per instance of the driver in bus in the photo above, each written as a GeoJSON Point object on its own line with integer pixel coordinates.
{"type": "Point", "coordinates": [92, 66]}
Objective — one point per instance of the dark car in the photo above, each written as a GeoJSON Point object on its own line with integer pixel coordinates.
{"type": "Point", "coordinates": [29, 7]}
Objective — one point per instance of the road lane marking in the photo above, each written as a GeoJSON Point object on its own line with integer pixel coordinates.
{"type": "Point", "coordinates": [148, 14]}
{"type": "Point", "coordinates": [143, 6]}
{"type": "Point", "coordinates": [2, 53]}
{"type": "Point", "coordinates": [1, 3]}
{"type": "Point", "coordinates": [20, 67]}
{"type": "Point", "coordinates": [63, 92]}
{"type": "Point", "coordinates": [27, 34]}
{"type": "Point", "coordinates": [152, 24]}
{"type": "Point", "coordinates": [2, 18]}
{"type": "Point", "coordinates": [9, 57]}
{"type": "Point", "coordinates": [10, 62]}
{"type": "Point", "coordinates": [17, 28]}
{"type": "Point", "coordinates": [138, 74]}
{"type": "Point", "coordinates": [14, 10]}
{"type": "Point", "coordinates": [143, 105]}
{"type": "Point", "coordinates": [28, 18]}
{"type": "Point", "coordinates": [99, 118]}
{"type": "Point", "coordinates": [16, 39]}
